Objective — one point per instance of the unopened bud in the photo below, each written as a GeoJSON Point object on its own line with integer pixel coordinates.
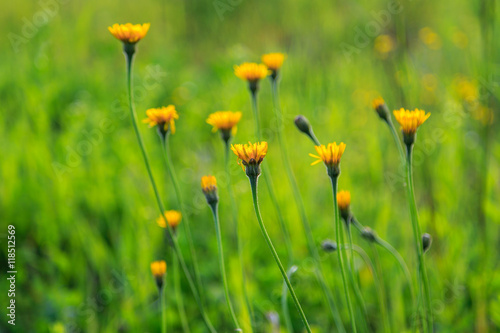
{"type": "Point", "coordinates": [329, 246]}
{"type": "Point", "coordinates": [426, 241]}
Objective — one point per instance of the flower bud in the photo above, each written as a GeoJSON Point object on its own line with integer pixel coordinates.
{"type": "Point", "coordinates": [303, 124]}
{"type": "Point", "coordinates": [329, 246]}
{"type": "Point", "coordinates": [426, 241]}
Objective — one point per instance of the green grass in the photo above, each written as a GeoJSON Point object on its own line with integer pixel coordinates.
{"type": "Point", "coordinates": [85, 223]}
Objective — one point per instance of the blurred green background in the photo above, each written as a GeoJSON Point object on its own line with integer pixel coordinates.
{"type": "Point", "coordinates": [74, 185]}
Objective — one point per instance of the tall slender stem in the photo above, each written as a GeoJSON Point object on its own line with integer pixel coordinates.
{"type": "Point", "coordinates": [178, 296]}
{"type": "Point", "coordinates": [300, 205]}
{"type": "Point", "coordinates": [180, 202]}
{"type": "Point", "coordinates": [161, 292]}
{"type": "Point", "coordinates": [129, 58]}
{"type": "Point", "coordinates": [402, 264]}
{"type": "Point", "coordinates": [353, 278]}
{"type": "Point", "coordinates": [381, 289]}
{"type": "Point", "coordinates": [253, 184]}
{"type": "Point", "coordinates": [341, 252]}
{"type": "Point", "coordinates": [418, 242]}
{"type": "Point", "coordinates": [284, 301]}
{"type": "Point", "coordinates": [239, 242]}
{"type": "Point", "coordinates": [269, 183]}
{"type": "Point", "coordinates": [215, 215]}
{"type": "Point", "coordinates": [397, 141]}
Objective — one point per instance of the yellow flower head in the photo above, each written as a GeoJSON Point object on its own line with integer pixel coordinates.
{"type": "Point", "coordinates": [378, 102]}
{"type": "Point", "coordinates": [129, 33]}
{"type": "Point", "coordinates": [158, 268]}
{"type": "Point", "coordinates": [410, 120]}
{"type": "Point", "coordinates": [224, 121]}
{"type": "Point", "coordinates": [163, 117]}
{"type": "Point", "coordinates": [250, 156]}
{"type": "Point", "coordinates": [382, 110]}
{"type": "Point", "coordinates": [344, 200]}
{"type": "Point", "coordinates": [250, 71]}
{"type": "Point", "coordinates": [330, 155]}
{"type": "Point", "coordinates": [173, 218]}
{"type": "Point", "coordinates": [209, 188]}
{"type": "Point", "coordinates": [273, 61]}
{"type": "Point", "coordinates": [383, 45]}
{"type": "Point", "coordinates": [208, 184]}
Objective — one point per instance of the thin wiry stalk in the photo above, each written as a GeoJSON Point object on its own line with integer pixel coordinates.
{"type": "Point", "coordinates": [354, 282]}
{"type": "Point", "coordinates": [284, 301]}
{"type": "Point", "coordinates": [341, 252]}
{"type": "Point", "coordinates": [397, 141]}
{"type": "Point", "coordinates": [269, 183]}
{"type": "Point", "coordinates": [424, 285]}
{"type": "Point", "coordinates": [129, 58]}
{"type": "Point", "coordinates": [180, 203]}
{"type": "Point", "coordinates": [381, 289]}
{"type": "Point", "coordinates": [253, 184]}
{"type": "Point", "coordinates": [161, 292]}
{"type": "Point", "coordinates": [300, 205]}
{"type": "Point", "coordinates": [215, 215]}
{"type": "Point", "coordinates": [178, 296]}
{"type": "Point", "coordinates": [239, 241]}
{"type": "Point", "coordinates": [402, 264]}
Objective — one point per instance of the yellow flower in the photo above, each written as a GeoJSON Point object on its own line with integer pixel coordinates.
{"type": "Point", "coordinates": [209, 188]}
{"type": "Point", "coordinates": [208, 184]}
{"type": "Point", "coordinates": [410, 120]}
{"type": "Point", "coordinates": [250, 156]}
{"type": "Point", "coordinates": [382, 110]}
{"type": "Point", "coordinates": [224, 121]}
{"type": "Point", "coordinates": [383, 45]}
{"type": "Point", "coordinates": [158, 268]}
{"type": "Point", "coordinates": [129, 33]}
{"type": "Point", "coordinates": [173, 218]}
{"type": "Point", "coordinates": [273, 61]}
{"type": "Point", "coordinates": [430, 38]}
{"type": "Point", "coordinates": [378, 102]}
{"type": "Point", "coordinates": [251, 71]}
{"type": "Point", "coordinates": [344, 200]}
{"type": "Point", "coordinates": [163, 117]}
{"type": "Point", "coordinates": [330, 155]}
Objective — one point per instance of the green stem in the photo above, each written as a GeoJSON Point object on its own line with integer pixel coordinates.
{"type": "Point", "coordinates": [129, 57]}
{"type": "Point", "coordinates": [300, 204]}
{"type": "Point", "coordinates": [381, 290]}
{"type": "Point", "coordinates": [180, 202]}
{"type": "Point", "coordinates": [215, 215]}
{"type": "Point", "coordinates": [402, 264]}
{"type": "Point", "coordinates": [253, 184]}
{"type": "Point", "coordinates": [284, 301]}
{"type": "Point", "coordinates": [163, 310]}
{"type": "Point", "coordinates": [354, 280]}
{"type": "Point", "coordinates": [239, 242]}
{"type": "Point", "coordinates": [269, 183]}
{"type": "Point", "coordinates": [341, 249]}
{"type": "Point", "coordinates": [397, 141]}
{"type": "Point", "coordinates": [178, 296]}
{"type": "Point", "coordinates": [418, 242]}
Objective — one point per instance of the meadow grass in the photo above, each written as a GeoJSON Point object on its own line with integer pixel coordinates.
{"type": "Point", "coordinates": [75, 187]}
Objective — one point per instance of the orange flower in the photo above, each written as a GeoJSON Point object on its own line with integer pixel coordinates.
{"type": "Point", "coordinates": [273, 61]}
{"type": "Point", "coordinates": [410, 120]}
{"type": "Point", "coordinates": [330, 155]}
{"type": "Point", "coordinates": [173, 218]}
{"type": "Point", "coordinates": [158, 268]}
{"type": "Point", "coordinates": [344, 200]}
{"type": "Point", "coordinates": [224, 121]}
{"type": "Point", "coordinates": [129, 33]}
{"type": "Point", "coordinates": [164, 117]}
{"type": "Point", "coordinates": [250, 154]}
{"type": "Point", "coordinates": [251, 72]}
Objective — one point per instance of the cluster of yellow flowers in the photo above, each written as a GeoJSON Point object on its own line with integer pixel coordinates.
{"type": "Point", "coordinates": [251, 155]}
